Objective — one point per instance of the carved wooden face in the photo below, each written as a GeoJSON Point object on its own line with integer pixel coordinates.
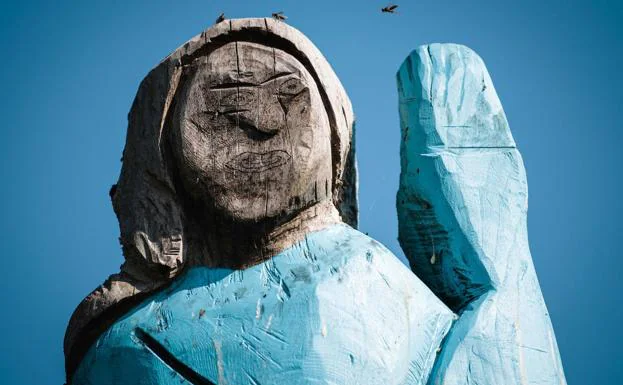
{"type": "Point", "coordinates": [253, 137]}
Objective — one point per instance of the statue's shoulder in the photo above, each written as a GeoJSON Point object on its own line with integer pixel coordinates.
{"type": "Point", "coordinates": [337, 307]}
{"type": "Point", "coordinates": [361, 268]}
{"type": "Point", "coordinates": [343, 247]}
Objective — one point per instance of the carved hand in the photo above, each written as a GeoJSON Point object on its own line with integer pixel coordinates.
{"type": "Point", "coordinates": [462, 206]}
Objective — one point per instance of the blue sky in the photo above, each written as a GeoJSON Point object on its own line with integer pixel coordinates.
{"type": "Point", "coordinates": [70, 71]}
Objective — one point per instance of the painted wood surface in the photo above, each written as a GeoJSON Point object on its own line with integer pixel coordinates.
{"type": "Point", "coordinates": [337, 308]}
{"type": "Point", "coordinates": [462, 209]}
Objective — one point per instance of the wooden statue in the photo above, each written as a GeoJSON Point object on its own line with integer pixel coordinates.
{"type": "Point", "coordinates": [237, 204]}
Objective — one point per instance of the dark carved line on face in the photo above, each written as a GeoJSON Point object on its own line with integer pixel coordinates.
{"type": "Point", "coordinates": [226, 112]}
{"type": "Point", "coordinates": [227, 86]}
{"type": "Point", "coordinates": [258, 162]}
{"type": "Point", "coordinates": [238, 83]}
{"type": "Point", "coordinates": [237, 116]}
{"type": "Point", "coordinates": [169, 359]}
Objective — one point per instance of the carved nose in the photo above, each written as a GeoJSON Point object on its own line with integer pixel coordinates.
{"type": "Point", "coordinates": [271, 115]}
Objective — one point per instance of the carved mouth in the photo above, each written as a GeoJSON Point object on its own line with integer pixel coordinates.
{"type": "Point", "coordinates": [258, 162]}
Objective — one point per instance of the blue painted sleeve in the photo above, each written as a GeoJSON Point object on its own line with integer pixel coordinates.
{"type": "Point", "coordinates": [462, 206]}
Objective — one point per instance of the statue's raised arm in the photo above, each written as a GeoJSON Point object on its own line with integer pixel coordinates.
{"type": "Point", "coordinates": [462, 207]}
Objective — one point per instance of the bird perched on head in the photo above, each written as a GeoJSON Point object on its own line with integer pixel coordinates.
{"type": "Point", "coordinates": [279, 16]}
{"type": "Point", "coordinates": [220, 18]}
{"type": "Point", "coordinates": [391, 8]}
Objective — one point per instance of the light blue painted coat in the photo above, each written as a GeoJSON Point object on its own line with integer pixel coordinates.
{"type": "Point", "coordinates": [337, 308]}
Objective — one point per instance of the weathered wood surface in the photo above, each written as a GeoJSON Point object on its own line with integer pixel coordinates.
{"type": "Point", "coordinates": [238, 145]}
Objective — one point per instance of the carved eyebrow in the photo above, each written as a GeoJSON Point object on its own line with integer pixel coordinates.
{"type": "Point", "coordinates": [225, 86]}
{"type": "Point", "coordinates": [176, 365]}
{"type": "Point", "coordinates": [277, 76]}
{"type": "Point", "coordinates": [228, 85]}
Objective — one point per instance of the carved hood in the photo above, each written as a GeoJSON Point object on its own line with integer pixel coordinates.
{"type": "Point", "coordinates": [145, 199]}
{"type": "Point", "coordinates": [152, 230]}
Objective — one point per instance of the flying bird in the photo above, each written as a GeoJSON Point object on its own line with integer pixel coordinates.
{"type": "Point", "coordinates": [220, 18]}
{"type": "Point", "coordinates": [279, 16]}
{"type": "Point", "coordinates": [391, 8]}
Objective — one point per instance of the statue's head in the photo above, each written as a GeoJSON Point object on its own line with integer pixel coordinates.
{"type": "Point", "coordinates": [250, 135]}
{"type": "Point", "coordinates": [246, 123]}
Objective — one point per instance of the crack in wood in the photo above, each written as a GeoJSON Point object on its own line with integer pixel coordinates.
{"type": "Point", "coordinates": [169, 359]}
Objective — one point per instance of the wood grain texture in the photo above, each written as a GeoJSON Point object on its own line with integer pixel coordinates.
{"type": "Point", "coordinates": [238, 144]}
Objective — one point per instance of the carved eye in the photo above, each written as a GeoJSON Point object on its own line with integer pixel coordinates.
{"type": "Point", "coordinates": [291, 87]}
{"type": "Point", "coordinates": [237, 98]}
